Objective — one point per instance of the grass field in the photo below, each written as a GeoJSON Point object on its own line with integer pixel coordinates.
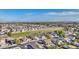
{"type": "Point", "coordinates": [34, 32]}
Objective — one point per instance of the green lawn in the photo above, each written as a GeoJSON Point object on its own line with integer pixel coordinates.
{"type": "Point", "coordinates": [34, 32]}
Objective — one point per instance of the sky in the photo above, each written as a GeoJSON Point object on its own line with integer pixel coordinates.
{"type": "Point", "coordinates": [38, 15]}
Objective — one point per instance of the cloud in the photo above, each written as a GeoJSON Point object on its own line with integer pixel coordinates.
{"type": "Point", "coordinates": [61, 13]}
{"type": "Point", "coordinates": [50, 16]}
{"type": "Point", "coordinates": [25, 15]}
{"type": "Point", "coordinates": [28, 14]}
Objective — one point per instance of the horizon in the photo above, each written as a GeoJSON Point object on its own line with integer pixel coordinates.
{"type": "Point", "coordinates": [39, 15]}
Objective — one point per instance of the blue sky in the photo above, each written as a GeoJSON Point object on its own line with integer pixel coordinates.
{"type": "Point", "coordinates": [38, 15]}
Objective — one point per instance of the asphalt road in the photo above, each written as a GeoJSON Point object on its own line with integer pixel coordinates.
{"type": "Point", "coordinates": [21, 45]}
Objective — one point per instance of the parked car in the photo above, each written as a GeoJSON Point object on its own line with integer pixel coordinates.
{"type": "Point", "coordinates": [66, 47]}
{"type": "Point", "coordinates": [29, 47]}
{"type": "Point", "coordinates": [41, 42]}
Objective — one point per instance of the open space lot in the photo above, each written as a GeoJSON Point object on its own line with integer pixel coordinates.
{"type": "Point", "coordinates": [34, 32]}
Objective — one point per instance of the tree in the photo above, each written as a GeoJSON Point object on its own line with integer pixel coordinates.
{"type": "Point", "coordinates": [18, 41]}
{"type": "Point", "coordinates": [61, 33]}
{"type": "Point", "coordinates": [48, 36]}
{"type": "Point", "coordinates": [9, 33]}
